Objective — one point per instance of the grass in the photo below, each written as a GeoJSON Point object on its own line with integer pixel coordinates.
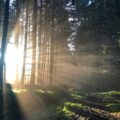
{"type": "Point", "coordinates": [62, 104]}
{"type": "Point", "coordinates": [114, 107]}
{"type": "Point", "coordinates": [67, 112]}
{"type": "Point", "coordinates": [110, 93]}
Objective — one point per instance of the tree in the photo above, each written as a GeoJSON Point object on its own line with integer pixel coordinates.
{"type": "Point", "coordinates": [4, 41]}
{"type": "Point", "coordinates": [25, 46]}
{"type": "Point", "coordinates": [52, 44]}
{"type": "Point", "coordinates": [40, 27]}
{"type": "Point", "coordinates": [33, 70]}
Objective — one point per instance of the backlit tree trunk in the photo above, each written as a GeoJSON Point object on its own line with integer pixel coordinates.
{"type": "Point", "coordinates": [39, 44]}
{"type": "Point", "coordinates": [33, 71]}
{"type": "Point", "coordinates": [25, 46]}
{"type": "Point", "coordinates": [4, 41]}
{"type": "Point", "coordinates": [52, 46]}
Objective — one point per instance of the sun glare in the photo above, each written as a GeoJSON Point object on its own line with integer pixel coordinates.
{"type": "Point", "coordinates": [13, 61]}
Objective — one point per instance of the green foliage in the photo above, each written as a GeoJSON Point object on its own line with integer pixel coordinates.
{"type": "Point", "coordinates": [115, 107]}
{"type": "Point", "coordinates": [74, 105]}
{"type": "Point", "coordinates": [110, 93]}
{"type": "Point", "coordinates": [97, 19]}
{"type": "Point", "coordinates": [77, 95]}
{"type": "Point", "coordinates": [61, 105]}
{"type": "Point", "coordinates": [67, 112]}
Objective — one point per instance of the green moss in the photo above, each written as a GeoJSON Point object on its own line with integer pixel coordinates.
{"type": "Point", "coordinates": [69, 107]}
{"type": "Point", "coordinates": [67, 112]}
{"type": "Point", "coordinates": [73, 104]}
{"type": "Point", "coordinates": [111, 93]}
{"type": "Point", "coordinates": [77, 97]}
{"type": "Point", "coordinates": [115, 107]}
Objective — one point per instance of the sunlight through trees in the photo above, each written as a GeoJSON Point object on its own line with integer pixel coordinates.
{"type": "Point", "coordinates": [59, 42]}
{"type": "Point", "coordinates": [59, 59]}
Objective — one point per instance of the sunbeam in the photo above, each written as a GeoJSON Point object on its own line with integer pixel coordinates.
{"type": "Point", "coordinates": [13, 61]}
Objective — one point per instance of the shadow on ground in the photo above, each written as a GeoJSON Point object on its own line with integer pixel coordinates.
{"type": "Point", "coordinates": [9, 106]}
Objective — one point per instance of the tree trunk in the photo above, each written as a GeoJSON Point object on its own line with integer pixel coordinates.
{"type": "Point", "coordinates": [39, 44]}
{"type": "Point", "coordinates": [16, 34]}
{"type": "Point", "coordinates": [33, 72]}
{"type": "Point", "coordinates": [4, 41]}
{"type": "Point", "coordinates": [52, 46]}
{"type": "Point", "coordinates": [25, 47]}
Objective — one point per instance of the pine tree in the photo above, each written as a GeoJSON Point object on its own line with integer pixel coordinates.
{"type": "Point", "coordinates": [4, 41]}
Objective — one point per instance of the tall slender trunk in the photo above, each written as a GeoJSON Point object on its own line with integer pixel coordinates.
{"type": "Point", "coordinates": [4, 41]}
{"type": "Point", "coordinates": [52, 46]}
{"type": "Point", "coordinates": [33, 71]}
{"type": "Point", "coordinates": [44, 46]}
{"type": "Point", "coordinates": [25, 46]}
{"type": "Point", "coordinates": [17, 27]}
{"type": "Point", "coordinates": [39, 44]}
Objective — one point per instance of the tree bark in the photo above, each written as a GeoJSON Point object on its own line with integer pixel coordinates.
{"type": "Point", "coordinates": [25, 47]}
{"type": "Point", "coordinates": [4, 42]}
{"type": "Point", "coordinates": [52, 46]}
{"type": "Point", "coordinates": [39, 44]}
{"type": "Point", "coordinates": [33, 72]}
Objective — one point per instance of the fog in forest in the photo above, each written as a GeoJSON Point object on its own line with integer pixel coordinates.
{"type": "Point", "coordinates": [60, 50]}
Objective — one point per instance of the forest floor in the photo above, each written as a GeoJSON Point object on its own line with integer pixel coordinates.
{"type": "Point", "coordinates": [58, 104]}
